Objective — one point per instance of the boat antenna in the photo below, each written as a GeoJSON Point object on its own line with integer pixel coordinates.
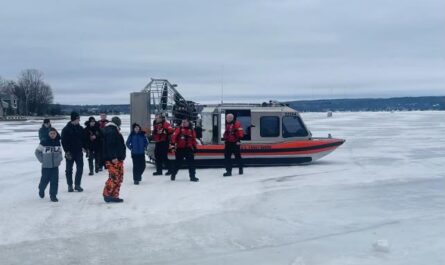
{"type": "Point", "coordinates": [222, 84]}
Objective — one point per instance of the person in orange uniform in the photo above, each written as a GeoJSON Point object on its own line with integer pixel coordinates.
{"type": "Point", "coordinates": [232, 138]}
{"type": "Point", "coordinates": [184, 141]}
{"type": "Point", "coordinates": [160, 134]}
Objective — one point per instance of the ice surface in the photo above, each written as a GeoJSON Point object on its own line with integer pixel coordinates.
{"type": "Point", "coordinates": [386, 182]}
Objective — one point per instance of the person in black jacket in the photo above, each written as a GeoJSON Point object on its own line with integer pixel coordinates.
{"type": "Point", "coordinates": [44, 130]}
{"type": "Point", "coordinates": [73, 145]}
{"type": "Point", "coordinates": [93, 144]}
{"type": "Point", "coordinates": [114, 155]}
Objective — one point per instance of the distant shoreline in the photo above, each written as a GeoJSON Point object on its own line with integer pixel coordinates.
{"type": "Point", "coordinates": [318, 105]}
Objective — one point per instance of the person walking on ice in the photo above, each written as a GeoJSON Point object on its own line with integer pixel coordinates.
{"type": "Point", "coordinates": [137, 142]}
{"type": "Point", "coordinates": [184, 142]}
{"type": "Point", "coordinates": [49, 154]}
{"type": "Point", "coordinates": [73, 142]}
{"type": "Point", "coordinates": [232, 138]}
{"type": "Point", "coordinates": [114, 156]}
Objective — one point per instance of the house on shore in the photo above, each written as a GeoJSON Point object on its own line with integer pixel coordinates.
{"type": "Point", "coordinates": [8, 105]}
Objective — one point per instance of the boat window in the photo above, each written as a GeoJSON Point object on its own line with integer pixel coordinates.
{"type": "Point", "coordinates": [293, 127]}
{"type": "Point", "coordinates": [270, 126]}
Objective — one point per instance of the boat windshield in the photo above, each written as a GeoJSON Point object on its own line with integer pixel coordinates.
{"type": "Point", "coordinates": [293, 127]}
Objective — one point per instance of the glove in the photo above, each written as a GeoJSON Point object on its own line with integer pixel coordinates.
{"type": "Point", "coordinates": [68, 156]}
{"type": "Point", "coordinates": [172, 148]}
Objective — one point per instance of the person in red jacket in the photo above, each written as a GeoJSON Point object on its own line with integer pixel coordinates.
{"type": "Point", "coordinates": [103, 120]}
{"type": "Point", "coordinates": [160, 134]}
{"type": "Point", "coordinates": [184, 141]}
{"type": "Point", "coordinates": [232, 138]}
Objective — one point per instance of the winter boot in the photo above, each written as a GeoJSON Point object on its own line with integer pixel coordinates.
{"type": "Point", "coordinates": [54, 199]}
{"type": "Point", "coordinates": [41, 193]}
{"type": "Point", "coordinates": [91, 167]}
{"type": "Point", "coordinates": [194, 179]}
{"type": "Point", "coordinates": [173, 177]}
{"type": "Point", "coordinates": [107, 198]}
{"type": "Point", "coordinates": [116, 199]}
{"type": "Point", "coordinates": [241, 171]}
{"type": "Point", "coordinates": [227, 174]}
{"type": "Point", "coordinates": [157, 173]}
{"type": "Point", "coordinates": [136, 182]}
{"type": "Point", "coordinates": [78, 188]}
{"type": "Point", "coordinates": [70, 188]}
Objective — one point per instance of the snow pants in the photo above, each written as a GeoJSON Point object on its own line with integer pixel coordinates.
{"type": "Point", "coordinates": [115, 178]}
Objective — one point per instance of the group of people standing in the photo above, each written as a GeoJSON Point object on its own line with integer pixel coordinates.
{"type": "Point", "coordinates": [104, 146]}
{"type": "Point", "coordinates": [102, 143]}
{"type": "Point", "coordinates": [183, 140]}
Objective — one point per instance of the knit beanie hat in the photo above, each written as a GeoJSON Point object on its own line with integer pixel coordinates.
{"type": "Point", "coordinates": [74, 116]}
{"type": "Point", "coordinates": [117, 121]}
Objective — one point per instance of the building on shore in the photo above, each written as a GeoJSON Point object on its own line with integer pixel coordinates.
{"type": "Point", "coordinates": [8, 105]}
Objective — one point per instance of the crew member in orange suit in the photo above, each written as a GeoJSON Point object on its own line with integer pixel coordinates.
{"type": "Point", "coordinates": [161, 132]}
{"type": "Point", "coordinates": [184, 142]}
{"type": "Point", "coordinates": [232, 138]}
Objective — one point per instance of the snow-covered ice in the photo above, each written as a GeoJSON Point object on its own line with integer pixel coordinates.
{"type": "Point", "coordinates": [387, 182]}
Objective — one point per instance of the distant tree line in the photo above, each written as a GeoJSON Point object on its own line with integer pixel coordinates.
{"type": "Point", "coordinates": [370, 104]}
{"type": "Point", "coordinates": [95, 109]}
{"type": "Point", "coordinates": [34, 95]}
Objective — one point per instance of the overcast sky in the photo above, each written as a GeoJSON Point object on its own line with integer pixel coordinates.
{"type": "Point", "coordinates": [97, 52]}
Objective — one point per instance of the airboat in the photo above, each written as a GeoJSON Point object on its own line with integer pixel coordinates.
{"type": "Point", "coordinates": [275, 134]}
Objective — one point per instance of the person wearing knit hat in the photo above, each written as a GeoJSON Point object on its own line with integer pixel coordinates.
{"type": "Point", "coordinates": [114, 152]}
{"type": "Point", "coordinates": [73, 142]}
{"type": "Point", "coordinates": [117, 121]}
{"type": "Point", "coordinates": [44, 130]}
{"type": "Point", "coordinates": [93, 144]}
{"type": "Point", "coordinates": [75, 116]}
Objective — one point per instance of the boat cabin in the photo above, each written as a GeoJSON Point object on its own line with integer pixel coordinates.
{"type": "Point", "coordinates": [261, 124]}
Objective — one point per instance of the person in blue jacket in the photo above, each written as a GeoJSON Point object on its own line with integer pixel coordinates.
{"type": "Point", "coordinates": [137, 142]}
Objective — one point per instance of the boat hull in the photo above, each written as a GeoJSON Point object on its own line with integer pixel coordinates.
{"type": "Point", "coordinates": [264, 154]}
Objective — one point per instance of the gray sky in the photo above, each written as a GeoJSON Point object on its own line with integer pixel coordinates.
{"type": "Point", "coordinates": [97, 52]}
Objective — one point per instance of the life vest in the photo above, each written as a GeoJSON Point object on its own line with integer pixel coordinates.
{"type": "Point", "coordinates": [234, 132]}
{"type": "Point", "coordinates": [161, 131]}
{"type": "Point", "coordinates": [184, 138]}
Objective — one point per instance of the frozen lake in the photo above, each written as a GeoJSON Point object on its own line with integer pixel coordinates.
{"type": "Point", "coordinates": [387, 183]}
